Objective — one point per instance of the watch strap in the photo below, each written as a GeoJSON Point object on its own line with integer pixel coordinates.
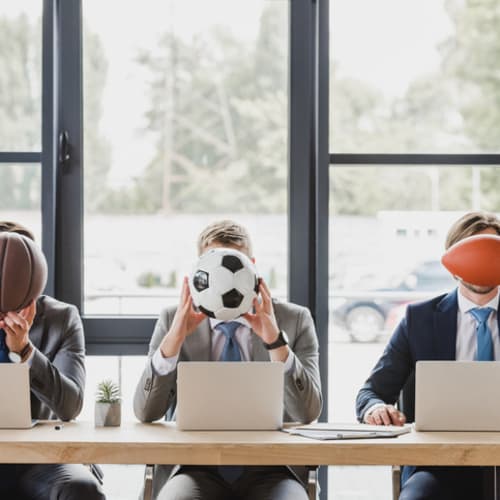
{"type": "Point", "coordinates": [279, 342]}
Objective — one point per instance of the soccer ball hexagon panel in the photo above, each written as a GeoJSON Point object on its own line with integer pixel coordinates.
{"type": "Point", "coordinates": [224, 283]}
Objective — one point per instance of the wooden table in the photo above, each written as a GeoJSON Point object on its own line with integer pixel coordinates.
{"type": "Point", "coordinates": [162, 443]}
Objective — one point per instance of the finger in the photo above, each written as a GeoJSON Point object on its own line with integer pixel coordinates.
{"type": "Point", "coordinates": [257, 305]}
{"type": "Point", "coordinates": [369, 419]}
{"type": "Point", "coordinates": [397, 417]}
{"type": "Point", "coordinates": [263, 286]}
{"type": "Point", "coordinates": [384, 415]}
{"type": "Point", "coordinates": [184, 290]}
{"type": "Point", "coordinates": [11, 322]}
{"type": "Point", "coordinates": [18, 321]}
{"type": "Point", "coordinates": [377, 419]}
{"type": "Point", "coordinates": [31, 312]}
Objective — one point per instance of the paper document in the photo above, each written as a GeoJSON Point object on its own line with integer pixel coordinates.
{"type": "Point", "coordinates": [329, 430]}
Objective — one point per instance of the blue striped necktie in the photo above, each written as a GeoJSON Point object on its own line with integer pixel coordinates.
{"type": "Point", "coordinates": [231, 351]}
{"type": "Point", "coordinates": [483, 333]}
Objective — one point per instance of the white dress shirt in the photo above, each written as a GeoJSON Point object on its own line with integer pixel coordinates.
{"type": "Point", "coordinates": [243, 336]}
{"type": "Point", "coordinates": [466, 346]}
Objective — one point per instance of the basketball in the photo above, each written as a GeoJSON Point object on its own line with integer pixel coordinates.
{"type": "Point", "coordinates": [475, 259]}
{"type": "Point", "coordinates": [23, 271]}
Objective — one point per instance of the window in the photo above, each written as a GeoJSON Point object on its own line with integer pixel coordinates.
{"type": "Point", "coordinates": [412, 146]}
{"type": "Point", "coordinates": [185, 123]}
{"type": "Point", "coordinates": [20, 113]}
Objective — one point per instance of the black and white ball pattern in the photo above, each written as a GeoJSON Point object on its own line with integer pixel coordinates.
{"type": "Point", "coordinates": [224, 283]}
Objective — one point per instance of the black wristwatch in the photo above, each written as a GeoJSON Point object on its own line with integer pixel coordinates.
{"type": "Point", "coordinates": [279, 342]}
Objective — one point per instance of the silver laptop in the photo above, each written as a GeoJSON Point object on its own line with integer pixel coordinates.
{"type": "Point", "coordinates": [457, 396]}
{"type": "Point", "coordinates": [229, 395]}
{"type": "Point", "coordinates": [15, 410]}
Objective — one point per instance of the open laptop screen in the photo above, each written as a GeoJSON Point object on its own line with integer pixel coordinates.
{"type": "Point", "coordinates": [457, 396]}
{"type": "Point", "coordinates": [230, 395]}
{"type": "Point", "coordinates": [15, 410]}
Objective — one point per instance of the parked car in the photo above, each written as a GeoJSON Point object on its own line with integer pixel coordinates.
{"type": "Point", "coordinates": [365, 313]}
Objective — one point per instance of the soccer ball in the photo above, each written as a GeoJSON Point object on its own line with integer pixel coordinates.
{"type": "Point", "coordinates": [224, 283]}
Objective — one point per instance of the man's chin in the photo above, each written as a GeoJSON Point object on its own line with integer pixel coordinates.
{"type": "Point", "coordinates": [481, 290]}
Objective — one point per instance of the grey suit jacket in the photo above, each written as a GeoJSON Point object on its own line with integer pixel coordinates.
{"type": "Point", "coordinates": [57, 373]}
{"type": "Point", "coordinates": [156, 395]}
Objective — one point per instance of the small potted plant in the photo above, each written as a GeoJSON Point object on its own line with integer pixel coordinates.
{"type": "Point", "coordinates": [108, 404]}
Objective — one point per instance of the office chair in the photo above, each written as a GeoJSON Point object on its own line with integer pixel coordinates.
{"type": "Point", "coordinates": [312, 483]}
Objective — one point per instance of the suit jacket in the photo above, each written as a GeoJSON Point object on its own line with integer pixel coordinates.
{"type": "Point", "coordinates": [57, 373]}
{"type": "Point", "coordinates": [156, 395]}
{"type": "Point", "coordinates": [427, 332]}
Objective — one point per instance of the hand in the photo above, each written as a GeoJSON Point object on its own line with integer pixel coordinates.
{"type": "Point", "coordinates": [263, 321]}
{"type": "Point", "coordinates": [185, 321]}
{"type": "Point", "coordinates": [17, 326]}
{"type": "Point", "coordinates": [385, 415]}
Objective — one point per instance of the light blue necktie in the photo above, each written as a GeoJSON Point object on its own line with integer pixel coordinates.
{"type": "Point", "coordinates": [231, 351]}
{"type": "Point", "coordinates": [483, 333]}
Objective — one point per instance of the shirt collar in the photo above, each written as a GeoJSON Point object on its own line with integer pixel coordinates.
{"type": "Point", "coordinates": [214, 322]}
{"type": "Point", "coordinates": [465, 305]}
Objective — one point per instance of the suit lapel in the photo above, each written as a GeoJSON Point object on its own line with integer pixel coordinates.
{"type": "Point", "coordinates": [198, 345]}
{"type": "Point", "coordinates": [259, 352]}
{"type": "Point", "coordinates": [445, 327]}
{"type": "Point", "coordinates": [36, 330]}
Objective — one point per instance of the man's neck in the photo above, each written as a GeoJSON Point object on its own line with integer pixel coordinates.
{"type": "Point", "coordinates": [479, 299]}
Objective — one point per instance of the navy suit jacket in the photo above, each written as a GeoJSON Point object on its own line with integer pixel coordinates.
{"type": "Point", "coordinates": [427, 332]}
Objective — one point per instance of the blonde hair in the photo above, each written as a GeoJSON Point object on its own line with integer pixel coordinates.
{"type": "Point", "coordinates": [225, 233]}
{"type": "Point", "coordinates": [471, 224]}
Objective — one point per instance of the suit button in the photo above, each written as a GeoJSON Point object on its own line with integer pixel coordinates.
{"type": "Point", "coordinates": [147, 385]}
{"type": "Point", "coordinates": [299, 384]}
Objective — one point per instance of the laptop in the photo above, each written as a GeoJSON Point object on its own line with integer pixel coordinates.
{"type": "Point", "coordinates": [457, 396]}
{"type": "Point", "coordinates": [229, 395]}
{"type": "Point", "coordinates": [15, 410]}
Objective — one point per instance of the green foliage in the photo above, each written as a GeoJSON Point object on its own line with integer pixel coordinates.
{"type": "Point", "coordinates": [218, 116]}
{"type": "Point", "coordinates": [97, 150]}
{"type": "Point", "coordinates": [108, 392]}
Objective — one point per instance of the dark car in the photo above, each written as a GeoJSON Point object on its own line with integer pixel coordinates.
{"type": "Point", "coordinates": [365, 314]}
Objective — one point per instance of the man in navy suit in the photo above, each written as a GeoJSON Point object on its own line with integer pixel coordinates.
{"type": "Point", "coordinates": [443, 328]}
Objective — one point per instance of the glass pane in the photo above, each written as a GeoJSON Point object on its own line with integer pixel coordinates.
{"type": "Point", "coordinates": [123, 482]}
{"type": "Point", "coordinates": [387, 233]}
{"type": "Point", "coordinates": [20, 83]}
{"type": "Point", "coordinates": [185, 122]}
{"type": "Point", "coordinates": [414, 77]}
{"type": "Point", "coordinates": [21, 196]}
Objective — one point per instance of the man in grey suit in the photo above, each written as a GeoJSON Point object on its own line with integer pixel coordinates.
{"type": "Point", "coordinates": [48, 336]}
{"type": "Point", "coordinates": [183, 334]}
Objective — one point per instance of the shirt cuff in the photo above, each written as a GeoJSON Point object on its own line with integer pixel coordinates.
{"type": "Point", "coordinates": [163, 366]}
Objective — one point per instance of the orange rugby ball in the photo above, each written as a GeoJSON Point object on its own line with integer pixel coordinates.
{"type": "Point", "coordinates": [475, 259]}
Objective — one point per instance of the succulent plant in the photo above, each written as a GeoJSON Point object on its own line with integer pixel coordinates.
{"type": "Point", "coordinates": [108, 392]}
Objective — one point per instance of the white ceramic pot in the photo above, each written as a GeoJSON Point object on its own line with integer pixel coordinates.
{"type": "Point", "coordinates": [108, 414]}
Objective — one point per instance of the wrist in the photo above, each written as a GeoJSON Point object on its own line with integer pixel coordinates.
{"type": "Point", "coordinates": [278, 340]}
{"type": "Point", "coordinates": [171, 345]}
{"type": "Point", "coordinates": [21, 354]}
